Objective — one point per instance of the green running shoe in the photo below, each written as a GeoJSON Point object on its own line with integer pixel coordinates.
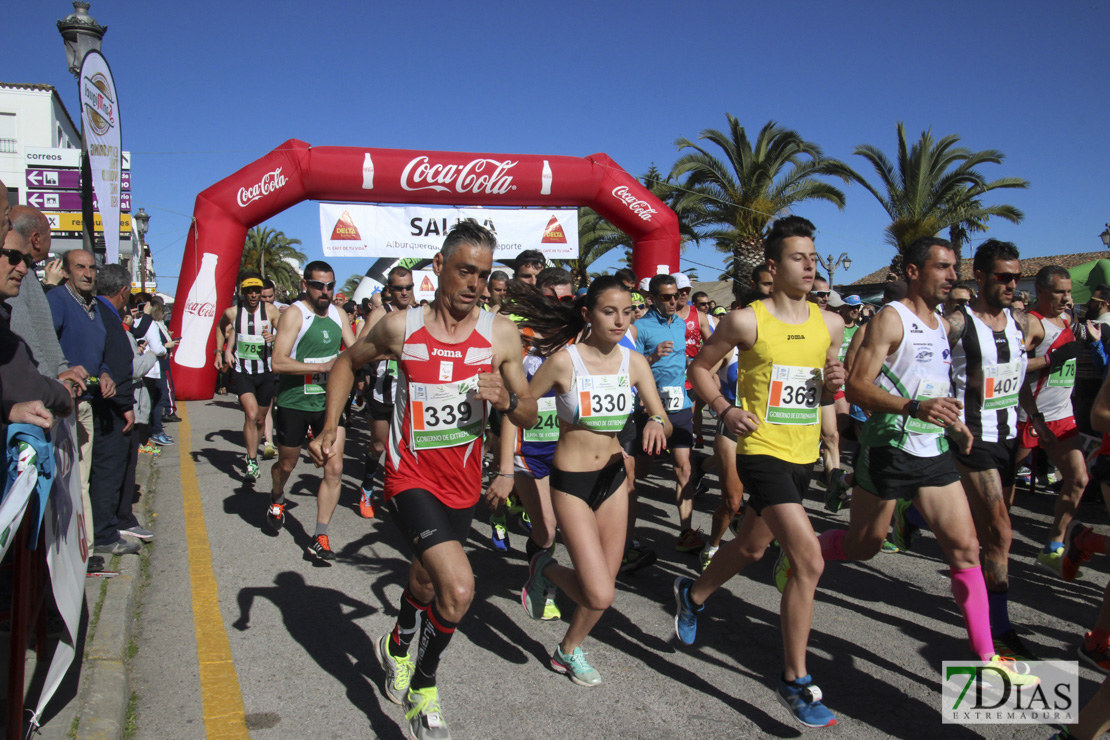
{"type": "Point", "coordinates": [425, 718]}
{"type": "Point", "coordinates": [706, 556]}
{"type": "Point", "coordinates": [889, 547]}
{"type": "Point", "coordinates": [551, 612]}
{"type": "Point", "coordinates": [252, 470]}
{"type": "Point", "coordinates": [782, 571]}
{"type": "Point", "coordinates": [398, 671]}
{"type": "Point", "coordinates": [836, 493]}
{"type": "Point", "coordinates": [514, 505]}
{"type": "Point", "coordinates": [574, 666]}
{"type": "Point", "coordinates": [903, 530]}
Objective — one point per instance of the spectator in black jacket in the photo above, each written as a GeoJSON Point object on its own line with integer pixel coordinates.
{"type": "Point", "coordinates": [113, 419]}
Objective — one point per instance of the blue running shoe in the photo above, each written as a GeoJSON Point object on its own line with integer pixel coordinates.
{"type": "Point", "coordinates": [686, 616]}
{"type": "Point", "coordinates": [500, 536]}
{"type": "Point", "coordinates": [803, 699]}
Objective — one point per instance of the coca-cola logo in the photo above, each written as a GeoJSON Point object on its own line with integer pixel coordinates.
{"type": "Point", "coordinates": [641, 208]}
{"type": "Point", "coordinates": [205, 310]}
{"type": "Point", "coordinates": [270, 182]}
{"type": "Point", "coordinates": [480, 176]}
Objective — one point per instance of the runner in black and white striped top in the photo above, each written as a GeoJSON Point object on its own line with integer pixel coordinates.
{"type": "Point", "coordinates": [249, 328]}
{"type": "Point", "coordinates": [988, 369]}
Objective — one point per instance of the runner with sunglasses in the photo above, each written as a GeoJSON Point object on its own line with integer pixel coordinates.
{"type": "Point", "coordinates": [249, 329]}
{"type": "Point", "coordinates": [830, 433]}
{"type": "Point", "coordinates": [401, 283]}
{"type": "Point", "coordinates": [307, 344]}
{"type": "Point", "coordinates": [592, 381]}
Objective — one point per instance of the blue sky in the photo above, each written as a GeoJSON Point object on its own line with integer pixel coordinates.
{"type": "Point", "coordinates": [207, 87]}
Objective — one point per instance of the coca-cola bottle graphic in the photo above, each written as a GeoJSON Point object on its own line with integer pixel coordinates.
{"type": "Point", "coordinates": [199, 315]}
{"type": "Point", "coordinates": [545, 179]}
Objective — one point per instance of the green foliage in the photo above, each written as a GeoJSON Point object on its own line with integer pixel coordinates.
{"type": "Point", "coordinates": [731, 193]}
{"type": "Point", "coordinates": [351, 285]}
{"type": "Point", "coordinates": [934, 185]}
{"type": "Point", "coordinates": [267, 251]}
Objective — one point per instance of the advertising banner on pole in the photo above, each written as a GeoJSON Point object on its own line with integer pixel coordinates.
{"type": "Point", "coordinates": [100, 123]}
{"type": "Point", "coordinates": [352, 230]}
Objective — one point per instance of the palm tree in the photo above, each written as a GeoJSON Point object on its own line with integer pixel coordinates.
{"type": "Point", "coordinates": [934, 187]}
{"type": "Point", "coordinates": [732, 197]}
{"type": "Point", "coordinates": [271, 253]}
{"type": "Point", "coordinates": [351, 285]}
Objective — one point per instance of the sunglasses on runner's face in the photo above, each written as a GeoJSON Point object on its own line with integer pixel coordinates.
{"type": "Point", "coordinates": [15, 257]}
{"type": "Point", "coordinates": [401, 288]}
{"type": "Point", "coordinates": [821, 293]}
{"type": "Point", "coordinates": [1007, 277]}
{"type": "Point", "coordinates": [321, 285]}
{"type": "Point", "coordinates": [668, 297]}
{"type": "Point", "coordinates": [640, 306]}
{"type": "Point", "coordinates": [702, 304]}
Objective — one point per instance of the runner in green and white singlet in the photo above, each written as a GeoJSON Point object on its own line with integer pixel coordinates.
{"type": "Point", "coordinates": [309, 337]}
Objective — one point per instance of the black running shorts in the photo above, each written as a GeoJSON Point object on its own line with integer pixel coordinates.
{"type": "Point", "coordinates": [425, 521]}
{"type": "Point", "coordinates": [1000, 456]}
{"type": "Point", "coordinates": [259, 385]}
{"type": "Point", "coordinates": [769, 481]}
{"type": "Point", "coordinates": [595, 487]}
{"type": "Point", "coordinates": [291, 426]}
{"type": "Point", "coordinates": [890, 473]}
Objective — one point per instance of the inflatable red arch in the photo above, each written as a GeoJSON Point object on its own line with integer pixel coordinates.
{"type": "Point", "coordinates": [296, 171]}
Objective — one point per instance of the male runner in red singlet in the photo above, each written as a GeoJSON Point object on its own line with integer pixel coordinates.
{"type": "Point", "coordinates": [1047, 419]}
{"type": "Point", "coordinates": [454, 358]}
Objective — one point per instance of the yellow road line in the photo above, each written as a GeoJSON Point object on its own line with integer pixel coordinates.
{"type": "Point", "coordinates": [222, 698]}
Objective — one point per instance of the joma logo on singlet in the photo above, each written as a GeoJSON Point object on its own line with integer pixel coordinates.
{"type": "Point", "coordinates": [446, 353]}
{"type": "Point", "coordinates": [795, 336]}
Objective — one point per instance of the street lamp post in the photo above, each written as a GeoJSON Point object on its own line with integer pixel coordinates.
{"type": "Point", "coordinates": [82, 34]}
{"type": "Point", "coordinates": [142, 223]}
{"type": "Point", "coordinates": [831, 267]}
{"type": "Point", "coordinates": [1106, 237]}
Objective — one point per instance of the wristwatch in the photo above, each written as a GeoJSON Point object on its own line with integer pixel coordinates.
{"type": "Point", "coordinates": [912, 408]}
{"type": "Point", "coordinates": [513, 401]}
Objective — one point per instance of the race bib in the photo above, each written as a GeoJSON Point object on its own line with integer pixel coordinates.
{"type": "Point", "coordinates": [445, 414]}
{"type": "Point", "coordinates": [249, 346]}
{"type": "Point", "coordinates": [547, 428]}
{"type": "Point", "coordinates": [673, 397]}
{"type": "Point", "coordinates": [1001, 384]}
{"type": "Point", "coordinates": [1063, 376]}
{"type": "Point", "coordinates": [927, 389]}
{"type": "Point", "coordinates": [794, 396]}
{"type": "Point", "coordinates": [391, 368]}
{"type": "Point", "coordinates": [604, 401]}
{"type": "Point", "coordinates": [316, 383]}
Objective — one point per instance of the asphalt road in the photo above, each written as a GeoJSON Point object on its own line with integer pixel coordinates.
{"type": "Point", "coordinates": [301, 636]}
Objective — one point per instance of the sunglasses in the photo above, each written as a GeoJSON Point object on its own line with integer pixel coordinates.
{"type": "Point", "coordinates": [321, 285]}
{"type": "Point", "coordinates": [821, 293]}
{"type": "Point", "coordinates": [701, 304]}
{"type": "Point", "coordinates": [668, 297]}
{"type": "Point", "coordinates": [639, 306]}
{"type": "Point", "coordinates": [15, 257]}
{"type": "Point", "coordinates": [1007, 277]}
{"type": "Point", "coordinates": [402, 288]}
{"type": "Point", "coordinates": [563, 299]}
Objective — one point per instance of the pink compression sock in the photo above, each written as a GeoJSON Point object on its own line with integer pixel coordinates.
{"type": "Point", "coordinates": [970, 591]}
{"type": "Point", "coordinates": [832, 544]}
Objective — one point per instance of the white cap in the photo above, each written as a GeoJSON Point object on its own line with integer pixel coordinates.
{"type": "Point", "coordinates": [681, 280]}
{"type": "Point", "coordinates": [644, 285]}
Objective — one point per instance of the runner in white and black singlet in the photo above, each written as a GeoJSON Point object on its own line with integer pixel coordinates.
{"type": "Point", "coordinates": [988, 368]}
{"type": "Point", "coordinates": [454, 358]}
{"type": "Point", "coordinates": [383, 375]}
{"type": "Point", "coordinates": [249, 329]}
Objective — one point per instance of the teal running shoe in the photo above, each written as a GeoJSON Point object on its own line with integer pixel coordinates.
{"type": "Point", "coordinates": [575, 667]}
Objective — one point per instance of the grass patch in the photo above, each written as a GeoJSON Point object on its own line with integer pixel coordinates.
{"type": "Point", "coordinates": [130, 726]}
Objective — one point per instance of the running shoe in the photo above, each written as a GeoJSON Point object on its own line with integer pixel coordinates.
{"type": "Point", "coordinates": [1073, 554]}
{"type": "Point", "coordinates": [275, 515]}
{"type": "Point", "coordinates": [366, 507]}
{"type": "Point", "coordinates": [1012, 669]}
{"type": "Point", "coordinates": [320, 548]}
{"type": "Point", "coordinates": [513, 504]}
{"type": "Point", "coordinates": [500, 536]}
{"type": "Point", "coordinates": [1009, 645]}
{"type": "Point", "coordinates": [269, 452]}
{"type": "Point", "coordinates": [1095, 655]}
{"type": "Point", "coordinates": [551, 612]}
{"type": "Point", "coordinates": [162, 439]}
{"type": "Point", "coordinates": [734, 525]}
{"type": "Point", "coordinates": [782, 571]}
{"type": "Point", "coordinates": [1052, 562]}
{"type": "Point", "coordinates": [706, 556]}
{"type": "Point", "coordinates": [636, 556]}
{"type": "Point", "coordinates": [525, 523]}
{"type": "Point", "coordinates": [138, 531]}
{"type": "Point", "coordinates": [689, 541]}
{"type": "Point", "coordinates": [425, 718]}
{"type": "Point", "coordinates": [889, 547]}
{"type": "Point", "coordinates": [534, 594]}
{"type": "Point", "coordinates": [253, 470]}
{"type": "Point", "coordinates": [686, 616]}
{"type": "Point", "coordinates": [398, 671]}
{"type": "Point", "coordinates": [700, 442]}
{"type": "Point", "coordinates": [836, 493]}
{"type": "Point", "coordinates": [574, 666]}
{"type": "Point", "coordinates": [149, 449]}
{"type": "Point", "coordinates": [171, 417]}
{"type": "Point", "coordinates": [903, 530]}
{"type": "Point", "coordinates": [803, 699]}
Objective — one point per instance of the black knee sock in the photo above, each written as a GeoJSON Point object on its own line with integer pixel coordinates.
{"type": "Point", "coordinates": [434, 639]}
{"type": "Point", "coordinates": [405, 629]}
{"type": "Point", "coordinates": [371, 469]}
{"type": "Point", "coordinates": [531, 548]}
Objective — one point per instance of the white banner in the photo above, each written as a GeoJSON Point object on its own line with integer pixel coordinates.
{"type": "Point", "coordinates": [426, 283]}
{"type": "Point", "coordinates": [353, 230]}
{"type": "Point", "coordinates": [100, 124]}
{"type": "Point", "coordinates": [66, 553]}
